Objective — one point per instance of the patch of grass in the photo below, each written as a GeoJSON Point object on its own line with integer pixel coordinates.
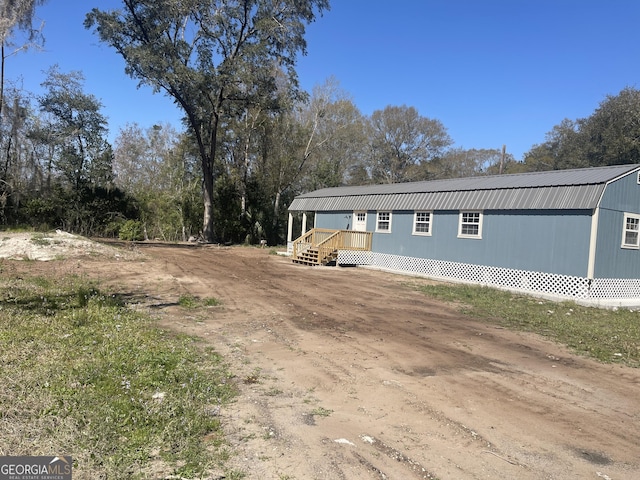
{"type": "Point", "coordinates": [235, 475]}
{"type": "Point", "coordinates": [211, 302]}
{"type": "Point", "coordinates": [41, 239]}
{"type": "Point", "coordinates": [18, 229]}
{"type": "Point", "coordinates": [191, 301]}
{"type": "Point", "coordinates": [273, 392]}
{"type": "Point", "coordinates": [85, 376]}
{"type": "Point", "coordinates": [253, 377]}
{"type": "Point", "coordinates": [188, 301]}
{"type": "Point", "coordinates": [321, 412]}
{"type": "Point", "coordinates": [611, 336]}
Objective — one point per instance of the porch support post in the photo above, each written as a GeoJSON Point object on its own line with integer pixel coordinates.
{"type": "Point", "coordinates": [304, 223]}
{"type": "Point", "coordinates": [290, 228]}
{"type": "Point", "coordinates": [290, 235]}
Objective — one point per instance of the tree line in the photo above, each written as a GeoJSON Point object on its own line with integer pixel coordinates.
{"type": "Point", "coordinates": [251, 138]}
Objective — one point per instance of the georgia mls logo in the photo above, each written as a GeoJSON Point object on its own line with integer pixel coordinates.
{"type": "Point", "coordinates": [36, 468]}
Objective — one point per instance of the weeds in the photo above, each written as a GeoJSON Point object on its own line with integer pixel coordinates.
{"type": "Point", "coordinates": [211, 302]}
{"type": "Point", "coordinates": [253, 377]}
{"type": "Point", "coordinates": [41, 239]}
{"type": "Point", "coordinates": [606, 335]}
{"type": "Point", "coordinates": [321, 412]}
{"type": "Point", "coordinates": [273, 392]}
{"type": "Point", "coordinates": [190, 301]}
{"type": "Point", "coordinates": [83, 375]}
{"type": "Point", "coordinates": [235, 475]}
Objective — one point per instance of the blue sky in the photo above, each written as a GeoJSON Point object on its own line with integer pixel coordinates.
{"type": "Point", "coordinates": [493, 72]}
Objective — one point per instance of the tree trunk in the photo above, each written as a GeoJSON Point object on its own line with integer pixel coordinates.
{"type": "Point", "coordinates": [274, 230]}
{"type": "Point", "coordinates": [208, 161]}
{"type": "Point", "coordinates": [243, 179]}
{"type": "Point", "coordinates": [246, 161]}
{"type": "Point", "coordinates": [207, 220]}
{"type": "Point", "coordinates": [2, 58]}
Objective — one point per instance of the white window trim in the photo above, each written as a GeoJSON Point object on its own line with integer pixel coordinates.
{"type": "Point", "coordinates": [378, 220]}
{"type": "Point", "coordinates": [480, 220]}
{"type": "Point", "coordinates": [415, 217]}
{"type": "Point", "coordinates": [624, 231]}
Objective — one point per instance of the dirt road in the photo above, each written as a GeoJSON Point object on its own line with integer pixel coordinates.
{"type": "Point", "coordinates": [350, 373]}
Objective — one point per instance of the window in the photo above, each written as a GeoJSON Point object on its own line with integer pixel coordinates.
{"type": "Point", "coordinates": [630, 231]}
{"type": "Point", "coordinates": [383, 222]}
{"type": "Point", "coordinates": [422, 223]}
{"type": "Point", "coordinates": [470, 225]}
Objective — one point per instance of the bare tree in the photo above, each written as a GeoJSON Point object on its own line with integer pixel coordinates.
{"type": "Point", "coordinates": [16, 15]}
{"type": "Point", "coordinates": [403, 143]}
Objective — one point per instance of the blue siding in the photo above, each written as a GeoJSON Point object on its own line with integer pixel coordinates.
{"type": "Point", "coordinates": [613, 261]}
{"type": "Point", "coordinates": [623, 195]}
{"type": "Point", "coordinates": [553, 242]}
{"type": "Point", "coordinates": [335, 220]}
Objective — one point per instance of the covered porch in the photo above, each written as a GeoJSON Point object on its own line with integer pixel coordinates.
{"type": "Point", "coordinates": [320, 246]}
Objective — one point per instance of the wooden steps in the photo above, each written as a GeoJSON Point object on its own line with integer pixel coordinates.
{"type": "Point", "coordinates": [311, 256]}
{"type": "Point", "coordinates": [320, 246]}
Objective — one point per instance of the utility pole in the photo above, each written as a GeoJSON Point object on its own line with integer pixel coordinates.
{"type": "Point", "coordinates": [504, 151]}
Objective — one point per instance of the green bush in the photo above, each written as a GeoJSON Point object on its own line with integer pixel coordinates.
{"type": "Point", "coordinates": [131, 230]}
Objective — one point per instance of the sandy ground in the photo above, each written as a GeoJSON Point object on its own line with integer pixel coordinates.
{"type": "Point", "coordinates": [348, 373]}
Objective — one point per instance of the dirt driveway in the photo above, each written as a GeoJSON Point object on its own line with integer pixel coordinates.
{"type": "Point", "coordinates": [350, 373]}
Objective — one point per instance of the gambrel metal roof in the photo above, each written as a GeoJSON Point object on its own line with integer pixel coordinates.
{"type": "Point", "coordinates": [556, 190]}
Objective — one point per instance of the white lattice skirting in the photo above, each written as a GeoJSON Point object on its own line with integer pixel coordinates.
{"type": "Point", "coordinates": [599, 291]}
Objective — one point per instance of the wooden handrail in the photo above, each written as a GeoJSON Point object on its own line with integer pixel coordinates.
{"type": "Point", "coordinates": [327, 241]}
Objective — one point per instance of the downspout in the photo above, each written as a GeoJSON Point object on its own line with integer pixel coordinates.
{"type": "Point", "coordinates": [591, 265]}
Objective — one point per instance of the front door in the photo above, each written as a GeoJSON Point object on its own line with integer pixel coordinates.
{"type": "Point", "coordinates": [360, 221]}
